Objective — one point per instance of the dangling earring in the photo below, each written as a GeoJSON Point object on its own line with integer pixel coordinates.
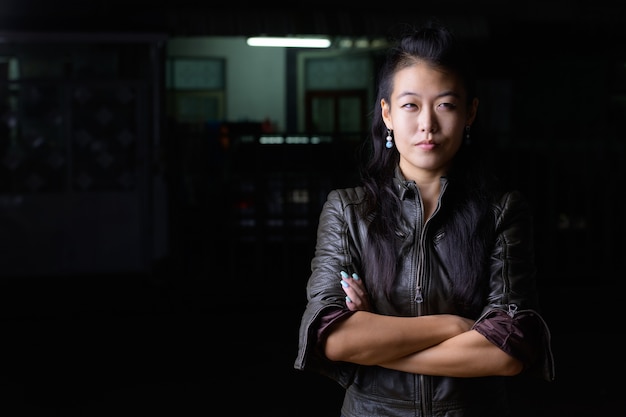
{"type": "Point", "coordinates": [389, 139]}
{"type": "Point", "coordinates": [467, 134]}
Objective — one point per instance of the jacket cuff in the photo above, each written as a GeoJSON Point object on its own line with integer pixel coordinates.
{"type": "Point", "coordinates": [522, 334]}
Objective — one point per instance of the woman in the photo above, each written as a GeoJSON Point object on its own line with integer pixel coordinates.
{"type": "Point", "coordinates": [422, 294]}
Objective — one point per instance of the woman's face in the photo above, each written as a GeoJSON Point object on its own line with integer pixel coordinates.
{"type": "Point", "coordinates": [428, 113]}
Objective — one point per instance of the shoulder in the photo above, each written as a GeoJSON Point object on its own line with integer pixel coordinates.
{"type": "Point", "coordinates": [342, 206]}
{"type": "Point", "coordinates": [344, 202]}
{"type": "Point", "coordinates": [346, 196]}
{"type": "Point", "coordinates": [513, 208]}
{"type": "Point", "coordinates": [512, 200]}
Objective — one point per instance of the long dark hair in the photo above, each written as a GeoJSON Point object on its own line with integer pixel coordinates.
{"type": "Point", "coordinates": [467, 209]}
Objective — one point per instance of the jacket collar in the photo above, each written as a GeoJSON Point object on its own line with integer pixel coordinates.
{"type": "Point", "coordinates": [402, 186]}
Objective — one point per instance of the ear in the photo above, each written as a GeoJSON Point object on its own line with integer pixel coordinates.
{"type": "Point", "coordinates": [471, 114]}
{"type": "Point", "coordinates": [386, 111]}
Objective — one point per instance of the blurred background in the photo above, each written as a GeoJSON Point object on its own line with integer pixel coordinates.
{"type": "Point", "coordinates": [160, 182]}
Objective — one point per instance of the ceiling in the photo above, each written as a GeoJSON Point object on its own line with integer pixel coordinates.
{"type": "Point", "coordinates": [507, 32]}
{"type": "Point", "coordinates": [192, 18]}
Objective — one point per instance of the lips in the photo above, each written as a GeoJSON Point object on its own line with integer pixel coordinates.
{"type": "Point", "coordinates": [428, 142]}
{"type": "Point", "coordinates": [426, 145]}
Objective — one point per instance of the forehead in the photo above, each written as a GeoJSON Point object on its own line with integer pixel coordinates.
{"type": "Point", "coordinates": [422, 78]}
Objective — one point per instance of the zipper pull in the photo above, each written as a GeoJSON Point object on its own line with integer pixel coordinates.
{"type": "Point", "coordinates": [418, 296]}
{"type": "Point", "coordinates": [512, 310]}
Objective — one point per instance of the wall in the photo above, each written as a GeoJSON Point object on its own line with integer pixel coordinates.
{"type": "Point", "coordinates": [255, 77]}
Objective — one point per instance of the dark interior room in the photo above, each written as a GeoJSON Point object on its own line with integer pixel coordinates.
{"type": "Point", "coordinates": [155, 240]}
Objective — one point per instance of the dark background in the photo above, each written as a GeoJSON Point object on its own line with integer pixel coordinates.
{"type": "Point", "coordinates": [211, 325]}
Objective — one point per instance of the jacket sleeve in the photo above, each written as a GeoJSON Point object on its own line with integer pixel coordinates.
{"type": "Point", "coordinates": [512, 320]}
{"type": "Point", "coordinates": [324, 292]}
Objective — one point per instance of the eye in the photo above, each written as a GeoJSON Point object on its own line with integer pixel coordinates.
{"type": "Point", "coordinates": [446, 106]}
{"type": "Point", "coordinates": [409, 106]}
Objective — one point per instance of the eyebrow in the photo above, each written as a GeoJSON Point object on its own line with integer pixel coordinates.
{"type": "Point", "coordinates": [442, 94]}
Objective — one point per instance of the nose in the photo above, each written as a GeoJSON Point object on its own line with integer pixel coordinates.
{"type": "Point", "coordinates": [427, 128]}
{"type": "Point", "coordinates": [427, 121]}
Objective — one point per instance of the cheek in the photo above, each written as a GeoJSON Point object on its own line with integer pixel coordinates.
{"type": "Point", "coordinates": [405, 126]}
{"type": "Point", "coordinates": [454, 128]}
{"type": "Point", "coordinates": [403, 135]}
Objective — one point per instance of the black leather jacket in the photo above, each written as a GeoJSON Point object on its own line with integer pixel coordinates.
{"type": "Point", "coordinates": [420, 290]}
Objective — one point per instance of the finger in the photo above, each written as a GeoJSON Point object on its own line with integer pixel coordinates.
{"type": "Point", "coordinates": [350, 291]}
{"type": "Point", "coordinates": [354, 306]}
{"type": "Point", "coordinates": [350, 304]}
{"type": "Point", "coordinates": [357, 285]}
{"type": "Point", "coordinates": [356, 296]}
{"type": "Point", "coordinates": [354, 300]}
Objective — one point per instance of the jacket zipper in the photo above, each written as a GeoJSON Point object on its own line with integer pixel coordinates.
{"type": "Point", "coordinates": [421, 272]}
{"type": "Point", "coordinates": [419, 295]}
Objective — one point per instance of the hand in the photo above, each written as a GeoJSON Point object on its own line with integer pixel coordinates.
{"type": "Point", "coordinates": [356, 295]}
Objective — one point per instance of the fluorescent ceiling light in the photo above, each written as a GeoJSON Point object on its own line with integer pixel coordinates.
{"type": "Point", "coordinates": [289, 42]}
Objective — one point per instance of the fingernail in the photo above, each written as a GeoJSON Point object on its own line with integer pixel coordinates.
{"type": "Point", "coordinates": [348, 300]}
{"type": "Point", "coordinates": [344, 274]}
{"type": "Point", "coordinates": [355, 276]}
{"type": "Point", "coordinates": [344, 283]}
